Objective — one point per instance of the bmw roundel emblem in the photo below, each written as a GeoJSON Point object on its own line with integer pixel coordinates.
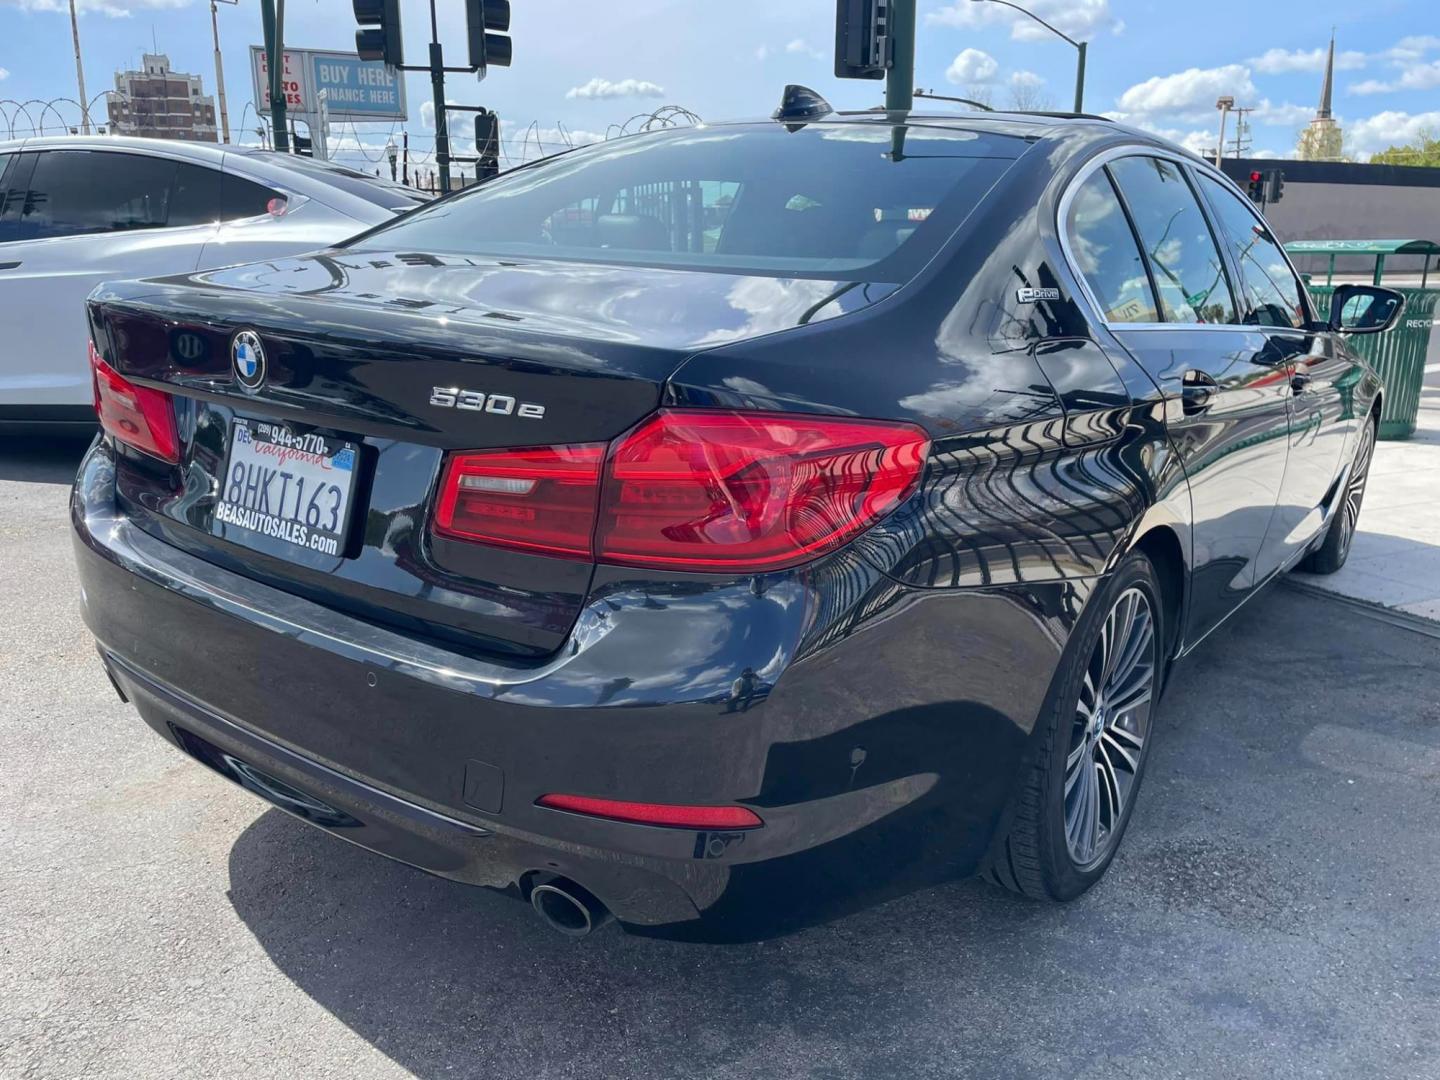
{"type": "Point", "coordinates": [247, 358]}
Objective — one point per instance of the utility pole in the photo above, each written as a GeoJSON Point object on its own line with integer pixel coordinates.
{"type": "Point", "coordinates": [79, 71]}
{"type": "Point", "coordinates": [405, 158]}
{"type": "Point", "coordinates": [1224, 104]}
{"type": "Point", "coordinates": [220, 70]}
{"type": "Point", "coordinates": [272, 19]}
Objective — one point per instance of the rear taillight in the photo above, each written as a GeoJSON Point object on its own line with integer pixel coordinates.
{"type": "Point", "coordinates": [135, 415]}
{"type": "Point", "coordinates": [689, 490]}
{"type": "Point", "coordinates": [540, 500]}
{"type": "Point", "coordinates": [693, 490]}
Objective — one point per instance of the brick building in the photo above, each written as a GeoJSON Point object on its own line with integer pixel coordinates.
{"type": "Point", "coordinates": [161, 104]}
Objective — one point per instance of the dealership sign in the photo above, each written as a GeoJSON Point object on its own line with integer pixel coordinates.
{"type": "Point", "coordinates": [354, 89]}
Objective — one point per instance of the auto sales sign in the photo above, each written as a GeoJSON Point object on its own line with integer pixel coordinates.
{"type": "Point", "coordinates": [354, 89]}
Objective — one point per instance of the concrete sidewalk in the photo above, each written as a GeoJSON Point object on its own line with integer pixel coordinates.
{"type": "Point", "coordinates": [1395, 558]}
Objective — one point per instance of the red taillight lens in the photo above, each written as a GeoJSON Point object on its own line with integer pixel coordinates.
{"type": "Point", "coordinates": [541, 500]}
{"type": "Point", "coordinates": [689, 490]}
{"type": "Point", "coordinates": [675, 817]}
{"type": "Point", "coordinates": [705, 490]}
{"type": "Point", "coordinates": [135, 415]}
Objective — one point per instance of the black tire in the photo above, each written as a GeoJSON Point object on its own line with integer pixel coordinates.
{"type": "Point", "coordinates": [1035, 858]}
{"type": "Point", "coordinates": [1335, 548]}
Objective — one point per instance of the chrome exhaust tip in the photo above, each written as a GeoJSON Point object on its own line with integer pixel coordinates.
{"type": "Point", "coordinates": [568, 908]}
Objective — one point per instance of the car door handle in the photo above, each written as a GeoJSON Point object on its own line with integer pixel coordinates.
{"type": "Point", "coordinates": [10, 265]}
{"type": "Point", "coordinates": [1197, 388]}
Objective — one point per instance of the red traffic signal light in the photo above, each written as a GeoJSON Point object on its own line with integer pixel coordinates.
{"type": "Point", "coordinates": [1256, 187]}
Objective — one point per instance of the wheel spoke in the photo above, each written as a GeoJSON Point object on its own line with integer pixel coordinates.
{"type": "Point", "coordinates": [1133, 696]}
{"type": "Point", "coordinates": [1114, 800]}
{"type": "Point", "coordinates": [1103, 762]}
{"type": "Point", "coordinates": [1130, 757]}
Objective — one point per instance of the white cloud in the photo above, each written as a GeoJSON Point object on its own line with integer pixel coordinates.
{"type": "Point", "coordinates": [603, 89]}
{"type": "Point", "coordinates": [1191, 93]}
{"type": "Point", "coordinates": [1082, 19]}
{"type": "Point", "coordinates": [801, 47]}
{"type": "Point", "coordinates": [762, 52]}
{"type": "Point", "coordinates": [111, 9]}
{"type": "Point", "coordinates": [1412, 48]}
{"type": "Point", "coordinates": [1281, 61]}
{"type": "Point", "coordinates": [972, 68]}
{"type": "Point", "coordinates": [1419, 76]}
{"type": "Point", "coordinates": [4, 74]}
{"type": "Point", "coordinates": [1386, 129]}
{"type": "Point", "coordinates": [1026, 79]}
{"type": "Point", "coordinates": [1285, 115]}
{"type": "Point", "coordinates": [1197, 142]}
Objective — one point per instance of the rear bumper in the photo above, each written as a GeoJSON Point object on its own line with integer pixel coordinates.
{"type": "Point", "coordinates": [878, 739]}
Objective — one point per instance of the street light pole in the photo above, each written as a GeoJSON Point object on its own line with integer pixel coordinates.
{"type": "Point", "coordinates": [79, 72]}
{"type": "Point", "coordinates": [220, 71]}
{"type": "Point", "coordinates": [1081, 47]}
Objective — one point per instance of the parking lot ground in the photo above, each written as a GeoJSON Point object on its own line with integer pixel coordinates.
{"type": "Point", "coordinates": [1274, 912]}
{"type": "Point", "coordinates": [1395, 558]}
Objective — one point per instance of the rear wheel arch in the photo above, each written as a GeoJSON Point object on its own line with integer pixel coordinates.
{"type": "Point", "coordinates": [1161, 545]}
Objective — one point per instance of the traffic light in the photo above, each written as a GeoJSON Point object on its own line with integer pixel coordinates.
{"type": "Point", "coordinates": [1256, 188]}
{"type": "Point", "coordinates": [862, 39]}
{"type": "Point", "coordinates": [481, 17]}
{"type": "Point", "coordinates": [487, 145]}
{"type": "Point", "coordinates": [379, 35]}
{"type": "Point", "coordinates": [1274, 186]}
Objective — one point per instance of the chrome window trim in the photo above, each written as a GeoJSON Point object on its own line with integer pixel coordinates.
{"type": "Point", "coordinates": [1183, 160]}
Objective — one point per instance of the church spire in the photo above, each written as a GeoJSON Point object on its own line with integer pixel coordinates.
{"type": "Point", "coordinates": [1327, 88]}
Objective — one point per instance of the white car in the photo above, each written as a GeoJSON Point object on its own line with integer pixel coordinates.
{"type": "Point", "coordinates": [76, 211]}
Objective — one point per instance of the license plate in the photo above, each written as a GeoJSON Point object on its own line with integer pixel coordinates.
{"type": "Point", "coordinates": [290, 486]}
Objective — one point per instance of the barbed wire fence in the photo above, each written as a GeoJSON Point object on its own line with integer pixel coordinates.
{"type": "Point", "coordinates": [367, 151]}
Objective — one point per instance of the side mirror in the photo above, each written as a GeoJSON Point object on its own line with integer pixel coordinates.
{"type": "Point", "coordinates": [1364, 309]}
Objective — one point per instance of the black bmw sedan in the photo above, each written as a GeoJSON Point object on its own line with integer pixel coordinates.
{"type": "Point", "coordinates": [744, 515]}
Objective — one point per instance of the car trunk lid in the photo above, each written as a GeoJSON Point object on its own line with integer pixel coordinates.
{"type": "Point", "coordinates": [391, 361]}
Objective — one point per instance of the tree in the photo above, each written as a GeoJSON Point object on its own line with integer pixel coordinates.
{"type": "Point", "coordinates": [1425, 150]}
{"type": "Point", "coordinates": [1029, 97]}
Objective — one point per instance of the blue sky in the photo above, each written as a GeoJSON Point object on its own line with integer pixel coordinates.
{"type": "Point", "coordinates": [583, 66]}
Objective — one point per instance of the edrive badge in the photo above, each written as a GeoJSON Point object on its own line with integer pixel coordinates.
{"type": "Point", "coordinates": [247, 358]}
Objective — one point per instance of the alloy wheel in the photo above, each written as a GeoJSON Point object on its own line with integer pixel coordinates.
{"type": "Point", "coordinates": [1112, 721]}
{"type": "Point", "coordinates": [1355, 487]}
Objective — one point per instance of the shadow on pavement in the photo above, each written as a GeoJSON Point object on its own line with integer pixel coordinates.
{"type": "Point", "coordinates": [42, 459]}
{"type": "Point", "coordinates": [1254, 923]}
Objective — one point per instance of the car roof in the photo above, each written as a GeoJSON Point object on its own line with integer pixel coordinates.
{"type": "Point", "coordinates": [1033, 126]}
{"type": "Point", "coordinates": [210, 153]}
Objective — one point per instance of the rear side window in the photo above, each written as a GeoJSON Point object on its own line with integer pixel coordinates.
{"type": "Point", "coordinates": [1106, 253]}
{"type": "Point", "coordinates": [89, 191]}
{"type": "Point", "coordinates": [846, 201]}
{"type": "Point", "coordinates": [1270, 293]}
{"type": "Point", "coordinates": [1185, 263]}
{"type": "Point", "coordinates": [195, 199]}
{"type": "Point", "coordinates": [241, 198]}
{"type": "Point", "coordinates": [12, 195]}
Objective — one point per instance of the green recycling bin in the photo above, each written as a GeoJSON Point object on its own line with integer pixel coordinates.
{"type": "Point", "coordinates": [1398, 355]}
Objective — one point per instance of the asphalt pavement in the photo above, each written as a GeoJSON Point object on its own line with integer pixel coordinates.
{"type": "Point", "coordinates": [1274, 912]}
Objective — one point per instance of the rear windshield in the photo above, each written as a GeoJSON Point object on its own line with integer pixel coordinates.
{"type": "Point", "coordinates": [829, 200]}
{"type": "Point", "coordinates": [372, 189]}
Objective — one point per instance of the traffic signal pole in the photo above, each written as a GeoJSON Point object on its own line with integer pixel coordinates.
{"type": "Point", "coordinates": [272, 19]}
{"type": "Point", "coordinates": [442, 125]}
{"type": "Point", "coordinates": [900, 79]}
